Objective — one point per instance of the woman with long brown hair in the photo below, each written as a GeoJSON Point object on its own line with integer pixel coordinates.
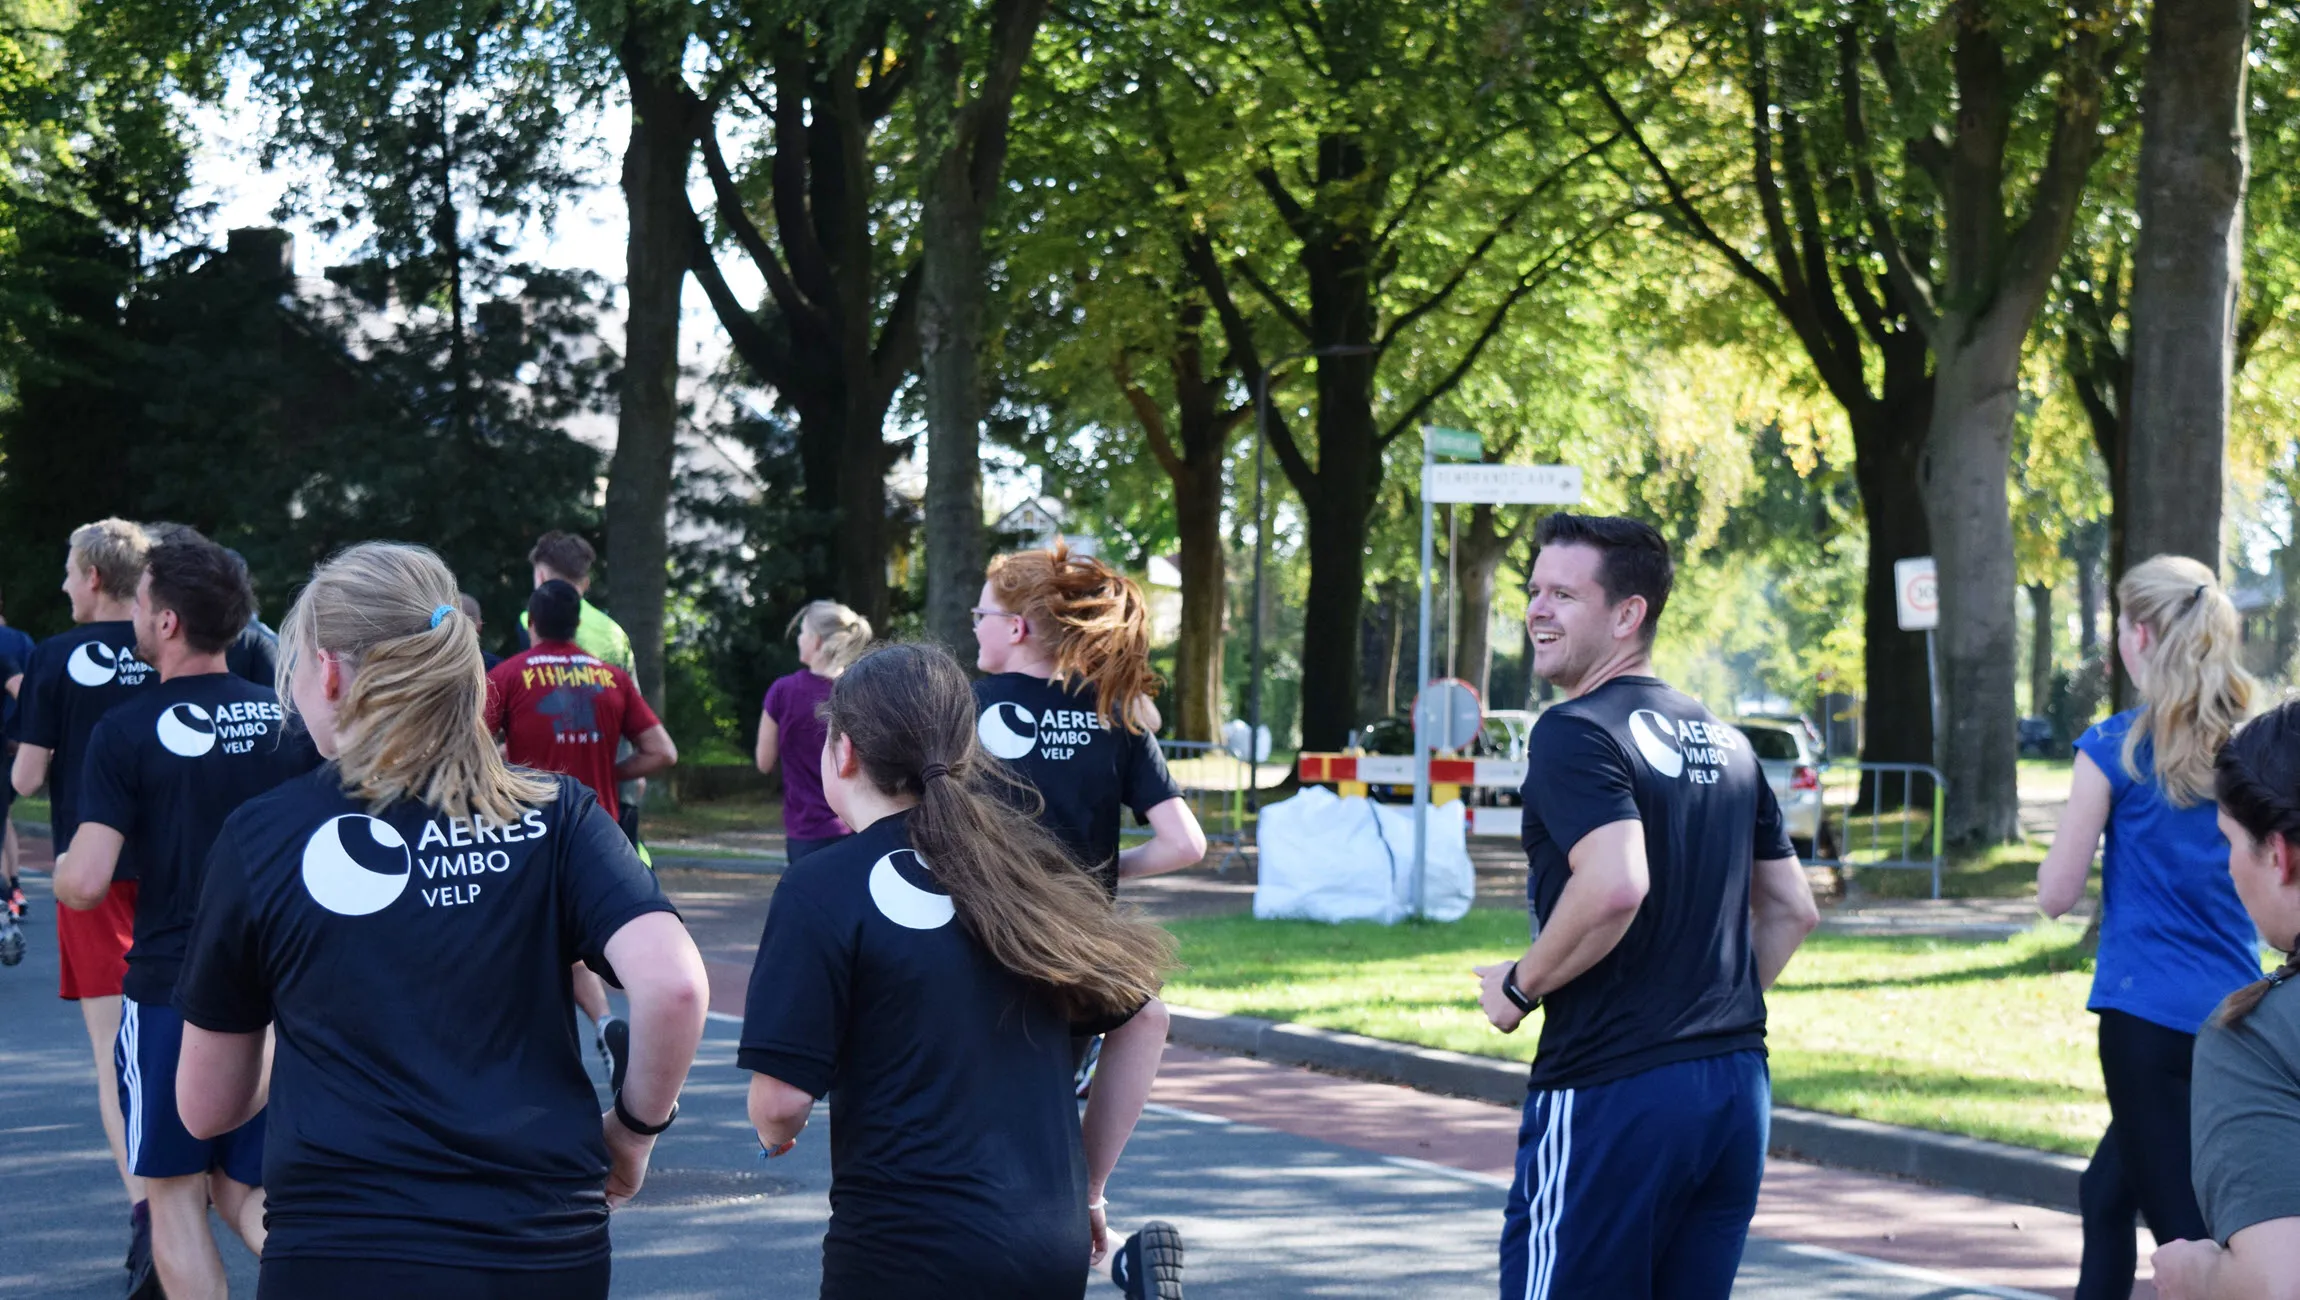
{"type": "Point", "coordinates": [2174, 939]}
{"type": "Point", "coordinates": [402, 920]}
{"type": "Point", "coordinates": [1065, 641]}
{"type": "Point", "coordinates": [935, 966]}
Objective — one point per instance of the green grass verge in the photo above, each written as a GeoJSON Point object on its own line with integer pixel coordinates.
{"type": "Point", "coordinates": [1989, 1039]}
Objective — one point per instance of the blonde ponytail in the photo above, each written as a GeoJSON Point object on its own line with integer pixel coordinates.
{"type": "Point", "coordinates": [842, 634]}
{"type": "Point", "coordinates": [412, 721]}
{"type": "Point", "coordinates": [2194, 690]}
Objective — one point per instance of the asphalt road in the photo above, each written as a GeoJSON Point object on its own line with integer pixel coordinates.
{"type": "Point", "coordinates": [1265, 1214]}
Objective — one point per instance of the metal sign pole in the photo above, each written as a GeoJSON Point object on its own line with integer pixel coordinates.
{"type": "Point", "coordinates": [1933, 680]}
{"type": "Point", "coordinates": [1422, 677]}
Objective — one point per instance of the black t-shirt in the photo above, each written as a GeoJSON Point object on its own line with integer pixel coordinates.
{"type": "Point", "coordinates": [255, 653]}
{"type": "Point", "coordinates": [74, 679]}
{"type": "Point", "coordinates": [15, 655]}
{"type": "Point", "coordinates": [956, 1164]}
{"type": "Point", "coordinates": [1049, 735]}
{"type": "Point", "coordinates": [165, 769]}
{"type": "Point", "coordinates": [428, 1096]}
{"type": "Point", "coordinates": [1682, 983]}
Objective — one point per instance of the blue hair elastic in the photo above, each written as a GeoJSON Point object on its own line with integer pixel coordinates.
{"type": "Point", "coordinates": [439, 615]}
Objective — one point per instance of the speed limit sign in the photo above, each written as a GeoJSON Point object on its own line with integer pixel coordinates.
{"type": "Point", "coordinates": [1917, 594]}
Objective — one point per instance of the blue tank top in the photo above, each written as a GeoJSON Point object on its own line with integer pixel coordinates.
{"type": "Point", "coordinates": [2174, 938]}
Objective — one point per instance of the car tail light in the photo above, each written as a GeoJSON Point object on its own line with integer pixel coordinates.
{"type": "Point", "coordinates": [1805, 778]}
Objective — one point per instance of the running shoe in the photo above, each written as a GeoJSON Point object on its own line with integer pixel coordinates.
{"type": "Point", "coordinates": [17, 906]}
{"type": "Point", "coordinates": [1149, 1265]}
{"type": "Point", "coordinates": [615, 1046]}
{"type": "Point", "coordinates": [11, 941]}
{"type": "Point", "coordinates": [1086, 1067]}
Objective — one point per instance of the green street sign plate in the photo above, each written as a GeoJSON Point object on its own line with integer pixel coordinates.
{"type": "Point", "coordinates": [1454, 444]}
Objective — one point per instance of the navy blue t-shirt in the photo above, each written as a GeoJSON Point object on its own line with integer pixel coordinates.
{"type": "Point", "coordinates": [74, 679]}
{"type": "Point", "coordinates": [428, 1095]}
{"type": "Point", "coordinates": [15, 657]}
{"type": "Point", "coordinates": [1682, 983]}
{"type": "Point", "coordinates": [1049, 735]}
{"type": "Point", "coordinates": [165, 769]}
{"type": "Point", "coordinates": [957, 1168]}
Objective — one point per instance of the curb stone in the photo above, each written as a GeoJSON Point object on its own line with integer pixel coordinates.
{"type": "Point", "coordinates": [1993, 1169]}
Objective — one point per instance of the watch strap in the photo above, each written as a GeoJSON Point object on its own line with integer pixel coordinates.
{"type": "Point", "coordinates": [1518, 997]}
{"type": "Point", "coordinates": [624, 1117]}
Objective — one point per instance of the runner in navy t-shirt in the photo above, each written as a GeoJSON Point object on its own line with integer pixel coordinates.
{"type": "Point", "coordinates": [1666, 900]}
{"type": "Point", "coordinates": [165, 768]}
{"type": "Point", "coordinates": [74, 678]}
{"type": "Point", "coordinates": [927, 973]}
{"type": "Point", "coordinates": [402, 919]}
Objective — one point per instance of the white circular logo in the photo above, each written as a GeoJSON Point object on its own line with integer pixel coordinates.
{"type": "Point", "coordinates": [906, 893]}
{"type": "Point", "coordinates": [92, 663]}
{"type": "Point", "coordinates": [337, 878]}
{"type": "Point", "coordinates": [187, 730]}
{"type": "Point", "coordinates": [1008, 730]}
{"type": "Point", "coordinates": [1656, 738]}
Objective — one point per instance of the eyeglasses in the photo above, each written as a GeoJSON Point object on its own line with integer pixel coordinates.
{"type": "Point", "coordinates": [981, 614]}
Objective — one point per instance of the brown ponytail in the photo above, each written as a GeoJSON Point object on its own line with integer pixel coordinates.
{"type": "Point", "coordinates": [1091, 616]}
{"type": "Point", "coordinates": [909, 712]}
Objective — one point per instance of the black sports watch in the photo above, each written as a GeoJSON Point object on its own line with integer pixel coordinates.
{"type": "Point", "coordinates": [1518, 998]}
{"type": "Point", "coordinates": [631, 1122]}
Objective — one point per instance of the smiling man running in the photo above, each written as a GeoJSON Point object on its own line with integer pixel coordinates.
{"type": "Point", "coordinates": [1665, 899]}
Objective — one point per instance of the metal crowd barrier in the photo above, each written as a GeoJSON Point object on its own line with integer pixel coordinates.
{"type": "Point", "coordinates": [1895, 850]}
{"type": "Point", "coordinates": [1214, 781]}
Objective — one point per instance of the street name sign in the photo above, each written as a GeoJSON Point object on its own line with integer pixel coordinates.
{"type": "Point", "coordinates": [1454, 444]}
{"type": "Point", "coordinates": [1502, 485]}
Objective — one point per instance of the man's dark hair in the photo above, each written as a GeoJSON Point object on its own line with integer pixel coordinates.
{"type": "Point", "coordinates": [564, 554]}
{"type": "Point", "coordinates": [205, 585]}
{"type": "Point", "coordinates": [554, 611]}
{"type": "Point", "coordinates": [1633, 560]}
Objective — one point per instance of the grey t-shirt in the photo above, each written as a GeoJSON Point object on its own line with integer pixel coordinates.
{"type": "Point", "coordinates": [2244, 1117]}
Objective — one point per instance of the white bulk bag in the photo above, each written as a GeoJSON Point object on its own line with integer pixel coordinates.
{"type": "Point", "coordinates": [1327, 858]}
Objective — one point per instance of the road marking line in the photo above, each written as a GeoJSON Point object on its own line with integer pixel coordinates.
{"type": "Point", "coordinates": [1906, 1272]}
{"type": "Point", "coordinates": [723, 1018]}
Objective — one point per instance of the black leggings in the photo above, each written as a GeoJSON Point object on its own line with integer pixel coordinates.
{"type": "Point", "coordinates": [378, 1279]}
{"type": "Point", "coordinates": [2141, 1166]}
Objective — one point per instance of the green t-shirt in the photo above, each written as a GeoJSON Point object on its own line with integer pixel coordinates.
{"type": "Point", "coordinates": [600, 637]}
{"type": "Point", "coordinates": [2244, 1117]}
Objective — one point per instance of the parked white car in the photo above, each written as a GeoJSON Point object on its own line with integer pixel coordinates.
{"type": "Point", "coordinates": [1791, 757]}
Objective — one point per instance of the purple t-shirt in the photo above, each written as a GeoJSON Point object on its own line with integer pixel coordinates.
{"type": "Point", "coordinates": [799, 737]}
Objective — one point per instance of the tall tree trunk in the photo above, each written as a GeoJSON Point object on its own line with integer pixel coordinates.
{"type": "Point", "coordinates": [1889, 442]}
{"type": "Point", "coordinates": [1338, 502]}
{"type": "Point", "coordinates": [1396, 617]}
{"type": "Point", "coordinates": [1482, 548]}
{"type": "Point", "coordinates": [964, 112]}
{"type": "Point", "coordinates": [2040, 648]}
{"type": "Point", "coordinates": [1966, 458]}
{"type": "Point", "coordinates": [2184, 276]}
{"type": "Point", "coordinates": [2087, 601]}
{"type": "Point", "coordinates": [1198, 654]}
{"type": "Point", "coordinates": [655, 165]}
{"type": "Point", "coordinates": [950, 342]}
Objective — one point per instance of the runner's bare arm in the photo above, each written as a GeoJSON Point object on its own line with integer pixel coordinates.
{"type": "Point", "coordinates": [1129, 1065]}
{"type": "Point", "coordinates": [14, 684]}
{"type": "Point", "coordinates": [2060, 879]}
{"type": "Point", "coordinates": [1593, 911]}
{"type": "Point", "coordinates": [1176, 841]}
{"type": "Point", "coordinates": [778, 1111]}
{"type": "Point", "coordinates": [84, 873]}
{"type": "Point", "coordinates": [222, 1080]}
{"type": "Point", "coordinates": [662, 975]}
{"type": "Point", "coordinates": [2257, 1265]}
{"type": "Point", "coordinates": [31, 768]}
{"type": "Point", "coordinates": [651, 752]}
{"type": "Point", "coordinates": [770, 741]}
{"type": "Point", "coordinates": [1781, 914]}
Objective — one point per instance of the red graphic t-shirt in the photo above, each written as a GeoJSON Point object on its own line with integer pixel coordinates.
{"type": "Point", "coordinates": [561, 710]}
